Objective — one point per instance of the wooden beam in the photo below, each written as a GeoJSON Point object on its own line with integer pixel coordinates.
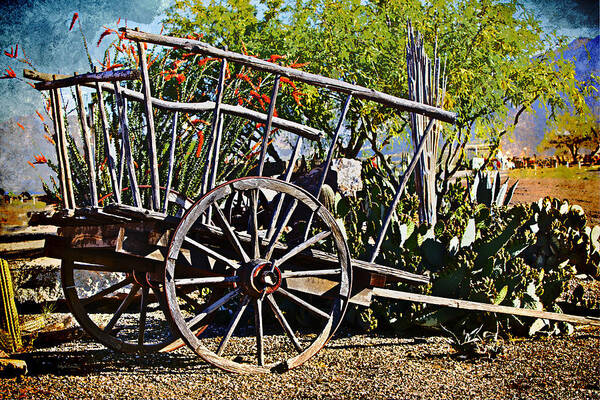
{"type": "Point", "coordinates": [235, 110]}
{"type": "Point", "coordinates": [475, 306]}
{"type": "Point", "coordinates": [59, 155]}
{"type": "Point", "coordinates": [106, 76]}
{"type": "Point", "coordinates": [196, 46]}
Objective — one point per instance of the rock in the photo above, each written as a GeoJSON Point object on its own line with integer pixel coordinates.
{"type": "Point", "coordinates": [348, 176]}
{"type": "Point", "coordinates": [11, 367]}
{"type": "Point", "coordinates": [37, 281]}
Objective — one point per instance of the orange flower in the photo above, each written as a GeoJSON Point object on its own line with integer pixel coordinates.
{"type": "Point", "coordinates": [75, 16]}
{"type": "Point", "coordinates": [20, 126]}
{"type": "Point", "coordinates": [177, 63]}
{"type": "Point", "coordinates": [103, 163]}
{"type": "Point", "coordinates": [40, 159]}
{"type": "Point", "coordinates": [39, 115]}
{"type": "Point", "coordinates": [266, 98]}
{"type": "Point", "coordinates": [186, 55]}
{"type": "Point", "coordinates": [49, 139]}
{"type": "Point", "coordinates": [259, 125]}
{"type": "Point", "coordinates": [296, 95]}
{"type": "Point", "coordinates": [136, 165]}
{"type": "Point", "coordinates": [202, 62]}
{"type": "Point", "coordinates": [200, 143]}
{"type": "Point", "coordinates": [119, 21]}
{"type": "Point", "coordinates": [29, 162]}
{"type": "Point", "coordinates": [275, 57]}
{"type": "Point", "coordinates": [299, 65]}
{"type": "Point", "coordinates": [288, 82]}
{"type": "Point", "coordinates": [240, 101]}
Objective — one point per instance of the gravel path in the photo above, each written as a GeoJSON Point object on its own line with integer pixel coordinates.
{"type": "Point", "coordinates": [351, 367]}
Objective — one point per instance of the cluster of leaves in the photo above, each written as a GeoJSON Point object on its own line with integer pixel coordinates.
{"type": "Point", "coordinates": [521, 256]}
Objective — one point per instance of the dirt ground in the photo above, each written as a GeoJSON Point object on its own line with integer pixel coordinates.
{"type": "Point", "coordinates": [585, 193]}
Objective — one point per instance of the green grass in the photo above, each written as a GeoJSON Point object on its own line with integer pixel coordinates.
{"type": "Point", "coordinates": [562, 172]}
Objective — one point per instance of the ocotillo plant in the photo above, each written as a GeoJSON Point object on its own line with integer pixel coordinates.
{"type": "Point", "coordinates": [10, 317]}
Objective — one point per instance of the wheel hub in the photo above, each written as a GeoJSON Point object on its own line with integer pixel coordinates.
{"type": "Point", "coordinates": [259, 277]}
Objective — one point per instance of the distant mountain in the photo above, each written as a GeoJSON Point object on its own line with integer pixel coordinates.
{"type": "Point", "coordinates": [585, 54]}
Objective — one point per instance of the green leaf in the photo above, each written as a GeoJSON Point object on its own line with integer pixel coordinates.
{"type": "Point", "coordinates": [501, 295]}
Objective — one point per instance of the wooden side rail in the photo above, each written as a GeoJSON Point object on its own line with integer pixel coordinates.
{"type": "Point", "coordinates": [238, 111]}
{"type": "Point", "coordinates": [83, 79]}
{"type": "Point", "coordinates": [362, 92]}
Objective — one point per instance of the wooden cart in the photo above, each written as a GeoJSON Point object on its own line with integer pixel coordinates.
{"type": "Point", "coordinates": [256, 275]}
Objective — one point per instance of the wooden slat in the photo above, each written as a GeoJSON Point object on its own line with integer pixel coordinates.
{"type": "Point", "coordinates": [235, 110]}
{"type": "Point", "coordinates": [64, 150]}
{"type": "Point", "coordinates": [106, 76]}
{"type": "Point", "coordinates": [58, 147]}
{"type": "Point", "coordinates": [122, 111]}
{"type": "Point", "coordinates": [475, 306]}
{"type": "Point", "coordinates": [268, 125]}
{"type": "Point", "coordinates": [196, 46]}
{"type": "Point", "coordinates": [171, 162]}
{"type": "Point", "coordinates": [150, 133]}
{"type": "Point", "coordinates": [108, 148]}
{"type": "Point", "coordinates": [89, 147]}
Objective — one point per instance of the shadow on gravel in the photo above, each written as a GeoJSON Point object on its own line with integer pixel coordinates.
{"type": "Point", "coordinates": [85, 362]}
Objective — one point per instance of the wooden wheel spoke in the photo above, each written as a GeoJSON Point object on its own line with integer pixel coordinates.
{"type": "Point", "coordinates": [301, 247]}
{"type": "Point", "coordinates": [303, 303]}
{"type": "Point", "coordinates": [255, 241]}
{"type": "Point", "coordinates": [307, 273]}
{"type": "Point", "coordinates": [143, 309]}
{"type": "Point", "coordinates": [213, 307]}
{"type": "Point", "coordinates": [108, 290]}
{"type": "Point", "coordinates": [233, 264]}
{"type": "Point", "coordinates": [258, 322]}
{"type": "Point", "coordinates": [101, 268]}
{"type": "Point", "coordinates": [284, 324]}
{"type": "Point", "coordinates": [280, 226]}
{"type": "Point", "coordinates": [232, 325]}
{"type": "Point", "coordinates": [207, 280]}
{"type": "Point", "coordinates": [122, 307]}
{"type": "Point", "coordinates": [230, 233]}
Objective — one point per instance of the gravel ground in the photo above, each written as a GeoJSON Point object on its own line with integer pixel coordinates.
{"type": "Point", "coordinates": [350, 367]}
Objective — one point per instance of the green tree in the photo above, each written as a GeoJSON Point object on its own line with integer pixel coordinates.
{"type": "Point", "coordinates": [570, 132]}
{"type": "Point", "coordinates": [495, 51]}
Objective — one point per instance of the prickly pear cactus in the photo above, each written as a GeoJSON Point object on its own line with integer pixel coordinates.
{"type": "Point", "coordinates": [11, 329]}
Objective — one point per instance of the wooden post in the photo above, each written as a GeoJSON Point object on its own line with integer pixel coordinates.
{"type": "Point", "coordinates": [268, 124]}
{"type": "Point", "coordinates": [65, 154]}
{"type": "Point", "coordinates": [59, 155]}
{"type": "Point", "coordinates": [108, 148]}
{"type": "Point", "coordinates": [89, 147]}
{"type": "Point", "coordinates": [122, 109]}
{"type": "Point", "coordinates": [171, 162]}
{"type": "Point", "coordinates": [150, 135]}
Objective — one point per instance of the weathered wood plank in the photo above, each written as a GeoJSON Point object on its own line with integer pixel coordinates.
{"type": "Point", "coordinates": [196, 46]}
{"type": "Point", "coordinates": [62, 137]}
{"type": "Point", "coordinates": [475, 306]}
{"type": "Point", "coordinates": [58, 147]}
{"type": "Point", "coordinates": [106, 76]}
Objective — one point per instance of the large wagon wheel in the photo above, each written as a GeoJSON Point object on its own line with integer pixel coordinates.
{"type": "Point", "coordinates": [118, 303]}
{"type": "Point", "coordinates": [278, 304]}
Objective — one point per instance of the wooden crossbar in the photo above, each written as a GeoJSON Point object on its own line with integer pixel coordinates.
{"type": "Point", "coordinates": [106, 76]}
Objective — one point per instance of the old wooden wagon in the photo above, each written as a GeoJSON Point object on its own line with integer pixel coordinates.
{"type": "Point", "coordinates": [255, 275]}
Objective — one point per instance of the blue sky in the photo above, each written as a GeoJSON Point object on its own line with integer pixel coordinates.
{"type": "Point", "coordinates": [40, 27]}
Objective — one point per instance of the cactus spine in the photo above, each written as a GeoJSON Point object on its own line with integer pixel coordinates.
{"type": "Point", "coordinates": [10, 317]}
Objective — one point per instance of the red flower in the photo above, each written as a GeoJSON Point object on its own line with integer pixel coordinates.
{"type": "Point", "coordinates": [111, 67]}
{"type": "Point", "coordinates": [200, 143]}
{"type": "Point", "coordinates": [296, 95]}
{"type": "Point", "coordinates": [103, 35]}
{"type": "Point", "coordinates": [9, 74]}
{"type": "Point", "coordinates": [75, 16]}
{"type": "Point", "coordinates": [20, 126]}
{"type": "Point", "coordinates": [29, 162]}
{"type": "Point", "coordinates": [40, 159]}
{"type": "Point", "coordinates": [39, 115]}
{"type": "Point", "coordinates": [14, 53]}
{"type": "Point", "coordinates": [103, 163]}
